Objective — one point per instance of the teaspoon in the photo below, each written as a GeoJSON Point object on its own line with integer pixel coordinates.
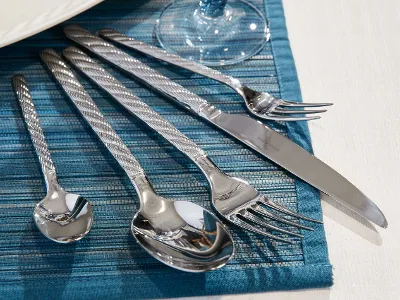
{"type": "Point", "coordinates": [61, 216]}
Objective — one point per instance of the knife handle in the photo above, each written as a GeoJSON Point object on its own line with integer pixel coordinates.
{"type": "Point", "coordinates": [131, 102]}
{"type": "Point", "coordinates": [136, 68]}
{"type": "Point", "coordinates": [173, 59]}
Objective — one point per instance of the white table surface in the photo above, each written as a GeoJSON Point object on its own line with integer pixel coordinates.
{"type": "Point", "coordinates": [348, 53]}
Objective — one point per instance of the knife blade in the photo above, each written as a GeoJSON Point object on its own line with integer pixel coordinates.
{"type": "Point", "coordinates": [251, 132]}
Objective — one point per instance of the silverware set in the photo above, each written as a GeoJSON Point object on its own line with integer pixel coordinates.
{"type": "Point", "coordinates": [233, 198]}
{"type": "Point", "coordinates": [247, 130]}
{"type": "Point", "coordinates": [180, 234]}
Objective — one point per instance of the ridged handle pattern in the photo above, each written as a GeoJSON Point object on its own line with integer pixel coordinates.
{"type": "Point", "coordinates": [170, 58]}
{"type": "Point", "coordinates": [133, 66]}
{"type": "Point", "coordinates": [91, 113]}
{"type": "Point", "coordinates": [131, 102]}
{"type": "Point", "coordinates": [31, 119]}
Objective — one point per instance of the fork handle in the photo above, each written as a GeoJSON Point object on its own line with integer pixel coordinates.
{"type": "Point", "coordinates": [31, 118]}
{"type": "Point", "coordinates": [91, 113]}
{"type": "Point", "coordinates": [131, 102]}
{"type": "Point", "coordinates": [138, 69]}
{"type": "Point", "coordinates": [170, 58]}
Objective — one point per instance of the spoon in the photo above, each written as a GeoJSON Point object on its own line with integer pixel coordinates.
{"type": "Point", "coordinates": [180, 234]}
{"type": "Point", "coordinates": [61, 216]}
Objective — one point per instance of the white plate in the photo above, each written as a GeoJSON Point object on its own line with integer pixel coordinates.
{"type": "Point", "coordinates": [22, 18]}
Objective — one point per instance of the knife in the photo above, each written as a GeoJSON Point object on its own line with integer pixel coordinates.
{"type": "Point", "coordinates": [251, 132]}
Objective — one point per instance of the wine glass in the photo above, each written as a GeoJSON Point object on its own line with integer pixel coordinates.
{"type": "Point", "coordinates": [212, 32]}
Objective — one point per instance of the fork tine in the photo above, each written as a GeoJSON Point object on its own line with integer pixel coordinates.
{"type": "Point", "coordinates": [302, 104]}
{"type": "Point", "coordinates": [262, 211]}
{"type": "Point", "coordinates": [277, 117]}
{"type": "Point", "coordinates": [292, 111]}
{"type": "Point", "coordinates": [284, 210]}
{"type": "Point", "coordinates": [247, 226]}
{"type": "Point", "coordinates": [250, 216]}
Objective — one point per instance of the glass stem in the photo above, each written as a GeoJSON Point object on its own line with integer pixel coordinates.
{"type": "Point", "coordinates": [212, 8]}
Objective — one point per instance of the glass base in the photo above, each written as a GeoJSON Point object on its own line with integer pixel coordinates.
{"type": "Point", "coordinates": [238, 33]}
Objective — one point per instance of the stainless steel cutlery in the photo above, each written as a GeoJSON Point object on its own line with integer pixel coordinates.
{"type": "Point", "coordinates": [180, 234]}
{"type": "Point", "coordinates": [253, 133]}
{"type": "Point", "coordinates": [61, 216]}
{"type": "Point", "coordinates": [260, 104]}
{"type": "Point", "coordinates": [235, 199]}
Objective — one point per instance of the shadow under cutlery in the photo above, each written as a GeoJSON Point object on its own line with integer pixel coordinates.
{"type": "Point", "coordinates": [349, 219]}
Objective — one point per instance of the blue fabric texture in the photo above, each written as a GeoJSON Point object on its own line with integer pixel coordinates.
{"type": "Point", "coordinates": [107, 263]}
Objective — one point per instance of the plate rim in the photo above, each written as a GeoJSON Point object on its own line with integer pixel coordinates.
{"type": "Point", "coordinates": [27, 28]}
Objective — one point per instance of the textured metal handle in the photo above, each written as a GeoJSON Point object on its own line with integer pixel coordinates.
{"type": "Point", "coordinates": [133, 66]}
{"type": "Point", "coordinates": [35, 130]}
{"type": "Point", "coordinates": [91, 113]}
{"type": "Point", "coordinates": [170, 58]}
{"type": "Point", "coordinates": [131, 102]}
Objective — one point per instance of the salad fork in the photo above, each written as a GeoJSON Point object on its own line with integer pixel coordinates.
{"type": "Point", "coordinates": [233, 198]}
{"type": "Point", "coordinates": [260, 104]}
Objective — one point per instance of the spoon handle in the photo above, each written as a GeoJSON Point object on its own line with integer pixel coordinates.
{"type": "Point", "coordinates": [131, 102]}
{"type": "Point", "coordinates": [35, 130]}
{"type": "Point", "coordinates": [91, 113]}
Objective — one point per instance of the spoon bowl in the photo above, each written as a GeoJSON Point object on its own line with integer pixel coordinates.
{"type": "Point", "coordinates": [193, 240]}
{"type": "Point", "coordinates": [61, 216]}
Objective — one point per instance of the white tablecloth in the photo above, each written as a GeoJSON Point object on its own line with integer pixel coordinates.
{"type": "Point", "coordinates": [348, 53]}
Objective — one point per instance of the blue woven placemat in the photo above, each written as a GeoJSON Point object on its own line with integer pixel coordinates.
{"type": "Point", "coordinates": [108, 264]}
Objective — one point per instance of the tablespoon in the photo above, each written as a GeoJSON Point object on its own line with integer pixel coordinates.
{"type": "Point", "coordinates": [180, 234]}
{"type": "Point", "coordinates": [61, 216]}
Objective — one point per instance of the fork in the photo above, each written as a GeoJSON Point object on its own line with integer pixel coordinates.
{"type": "Point", "coordinates": [233, 198]}
{"type": "Point", "coordinates": [260, 104]}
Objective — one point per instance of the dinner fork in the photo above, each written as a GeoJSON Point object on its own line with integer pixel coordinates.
{"type": "Point", "coordinates": [233, 198]}
{"type": "Point", "coordinates": [260, 104]}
